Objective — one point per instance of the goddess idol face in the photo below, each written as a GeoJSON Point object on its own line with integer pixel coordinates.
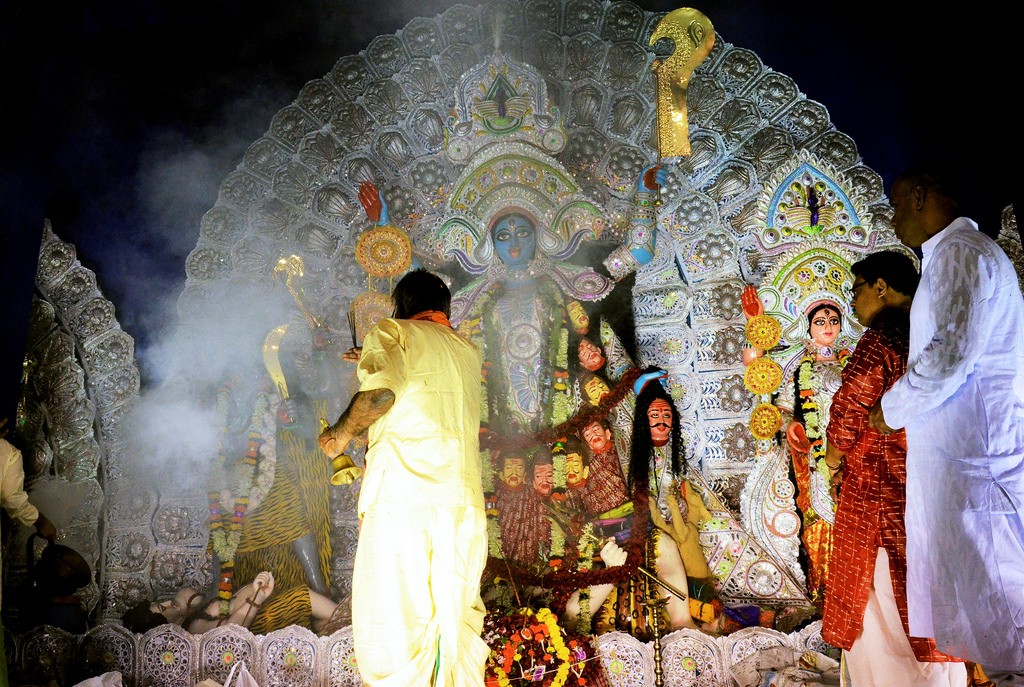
{"type": "Point", "coordinates": [515, 240]}
{"type": "Point", "coordinates": [824, 323]}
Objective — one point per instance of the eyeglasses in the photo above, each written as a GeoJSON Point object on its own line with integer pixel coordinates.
{"type": "Point", "coordinates": [857, 287]}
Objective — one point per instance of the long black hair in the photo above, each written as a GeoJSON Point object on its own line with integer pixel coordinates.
{"type": "Point", "coordinates": [641, 448]}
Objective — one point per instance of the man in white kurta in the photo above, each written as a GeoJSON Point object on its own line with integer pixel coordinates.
{"type": "Point", "coordinates": [417, 615]}
{"type": "Point", "coordinates": [962, 404]}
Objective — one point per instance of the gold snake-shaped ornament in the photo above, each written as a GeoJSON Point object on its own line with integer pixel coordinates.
{"type": "Point", "coordinates": [694, 36]}
{"type": "Point", "coordinates": [292, 267]}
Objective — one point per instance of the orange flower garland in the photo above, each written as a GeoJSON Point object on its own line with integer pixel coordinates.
{"type": "Point", "coordinates": [533, 647]}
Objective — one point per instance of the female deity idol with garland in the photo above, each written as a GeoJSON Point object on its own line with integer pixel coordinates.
{"type": "Point", "coordinates": [808, 400]}
{"type": "Point", "coordinates": [811, 342]}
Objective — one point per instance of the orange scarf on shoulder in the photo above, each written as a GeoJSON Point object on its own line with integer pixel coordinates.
{"type": "Point", "coordinates": [434, 316]}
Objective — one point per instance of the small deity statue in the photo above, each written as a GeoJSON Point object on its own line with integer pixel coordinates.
{"type": "Point", "coordinates": [254, 606]}
{"type": "Point", "coordinates": [816, 379]}
{"type": "Point", "coordinates": [522, 517]}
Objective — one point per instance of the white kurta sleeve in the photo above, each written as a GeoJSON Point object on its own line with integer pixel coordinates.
{"type": "Point", "coordinates": [959, 290]}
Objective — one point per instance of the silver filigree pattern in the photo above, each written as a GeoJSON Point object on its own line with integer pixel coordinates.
{"type": "Point", "coordinates": [290, 125]}
{"type": "Point", "coordinates": [54, 258]}
{"type": "Point", "coordinates": [768, 148]}
{"type": "Point", "coordinates": [264, 156]}
{"type": "Point", "coordinates": [354, 125]}
{"type": "Point", "coordinates": [804, 119]}
{"type": "Point", "coordinates": [296, 183]}
{"type": "Point", "coordinates": [423, 82]}
{"type": "Point", "coordinates": [177, 524]}
{"type": "Point", "coordinates": [241, 188]}
{"type": "Point", "coordinates": [737, 120]}
{"type": "Point", "coordinates": [626, 115]}
{"type": "Point", "coordinates": [772, 92]}
{"type": "Point", "coordinates": [319, 98]}
{"type": "Point", "coordinates": [733, 396]}
{"type": "Point", "coordinates": [331, 201]}
{"type": "Point", "coordinates": [394, 149]}
{"type": "Point", "coordinates": [837, 148]}
{"type": "Point", "coordinates": [222, 225]}
{"type": "Point", "coordinates": [322, 153]}
{"type": "Point", "coordinates": [206, 264]}
{"type": "Point", "coordinates": [221, 648]}
{"type": "Point", "coordinates": [738, 443]}
{"type": "Point", "coordinates": [583, 15]}
{"type": "Point", "coordinates": [352, 74]}
{"type": "Point", "coordinates": [422, 37]}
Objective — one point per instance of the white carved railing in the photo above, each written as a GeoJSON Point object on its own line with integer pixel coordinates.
{"type": "Point", "coordinates": [168, 656]}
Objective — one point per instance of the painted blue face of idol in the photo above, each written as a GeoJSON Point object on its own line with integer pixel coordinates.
{"type": "Point", "coordinates": [515, 240]}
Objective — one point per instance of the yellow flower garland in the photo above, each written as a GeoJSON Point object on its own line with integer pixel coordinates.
{"type": "Point", "coordinates": [561, 651]}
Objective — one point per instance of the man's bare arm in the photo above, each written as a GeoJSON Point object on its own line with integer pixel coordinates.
{"type": "Point", "coordinates": [365, 408]}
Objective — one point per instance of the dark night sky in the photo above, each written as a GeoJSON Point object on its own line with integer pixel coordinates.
{"type": "Point", "coordinates": [104, 104]}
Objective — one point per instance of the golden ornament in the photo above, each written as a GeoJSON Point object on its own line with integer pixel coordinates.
{"type": "Point", "coordinates": [763, 376]}
{"type": "Point", "coordinates": [384, 251]}
{"type": "Point", "coordinates": [765, 421]}
{"type": "Point", "coordinates": [763, 331]}
{"type": "Point", "coordinates": [367, 309]}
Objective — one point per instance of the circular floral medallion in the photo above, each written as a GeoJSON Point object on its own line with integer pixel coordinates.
{"type": "Point", "coordinates": [384, 251]}
{"type": "Point", "coordinates": [763, 376]}
{"type": "Point", "coordinates": [764, 579]}
{"type": "Point", "coordinates": [763, 331]}
{"type": "Point", "coordinates": [785, 523]}
{"type": "Point", "coordinates": [367, 309]}
{"type": "Point", "coordinates": [765, 421]}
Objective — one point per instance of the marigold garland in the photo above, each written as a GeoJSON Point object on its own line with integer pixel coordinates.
{"type": "Point", "coordinates": [807, 383]}
{"type": "Point", "coordinates": [532, 642]}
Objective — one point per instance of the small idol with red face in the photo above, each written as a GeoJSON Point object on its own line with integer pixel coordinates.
{"type": "Point", "coordinates": [659, 417]}
{"type": "Point", "coordinates": [543, 477]}
{"type": "Point", "coordinates": [513, 471]}
{"type": "Point", "coordinates": [590, 354]}
{"type": "Point", "coordinates": [597, 436]}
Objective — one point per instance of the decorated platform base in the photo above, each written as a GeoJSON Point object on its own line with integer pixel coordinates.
{"type": "Point", "coordinates": [168, 656]}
